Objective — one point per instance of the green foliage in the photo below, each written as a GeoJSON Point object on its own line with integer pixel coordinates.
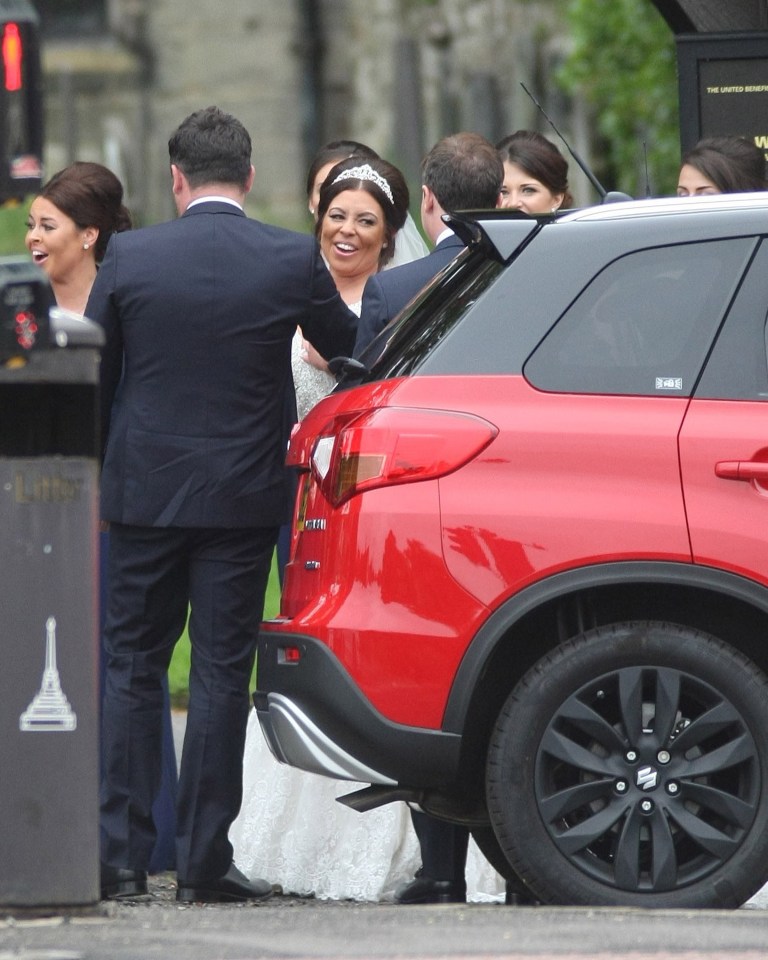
{"type": "Point", "coordinates": [13, 227]}
{"type": "Point", "coordinates": [623, 61]}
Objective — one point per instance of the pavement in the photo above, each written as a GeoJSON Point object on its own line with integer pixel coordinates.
{"type": "Point", "coordinates": [296, 928]}
{"type": "Point", "coordinates": [286, 928]}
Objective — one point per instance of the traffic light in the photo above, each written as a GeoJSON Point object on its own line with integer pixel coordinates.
{"type": "Point", "coordinates": [13, 56]}
{"type": "Point", "coordinates": [21, 101]}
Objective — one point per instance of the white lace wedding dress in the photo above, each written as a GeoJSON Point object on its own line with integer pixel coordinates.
{"type": "Point", "coordinates": [290, 829]}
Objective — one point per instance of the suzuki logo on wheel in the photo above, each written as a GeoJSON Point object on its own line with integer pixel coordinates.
{"type": "Point", "coordinates": [647, 778]}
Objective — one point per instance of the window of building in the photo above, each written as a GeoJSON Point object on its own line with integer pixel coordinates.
{"type": "Point", "coordinates": [72, 18]}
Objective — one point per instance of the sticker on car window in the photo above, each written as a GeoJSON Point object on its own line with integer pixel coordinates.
{"type": "Point", "coordinates": [669, 383]}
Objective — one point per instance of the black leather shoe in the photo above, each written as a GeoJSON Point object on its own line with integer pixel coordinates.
{"type": "Point", "coordinates": [233, 887]}
{"type": "Point", "coordinates": [423, 889]}
{"type": "Point", "coordinates": [121, 882]}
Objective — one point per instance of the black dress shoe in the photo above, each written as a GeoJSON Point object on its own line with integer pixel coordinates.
{"type": "Point", "coordinates": [233, 887]}
{"type": "Point", "coordinates": [121, 882]}
{"type": "Point", "coordinates": [423, 889]}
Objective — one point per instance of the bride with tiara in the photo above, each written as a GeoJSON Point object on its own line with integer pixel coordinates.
{"type": "Point", "coordinates": [291, 828]}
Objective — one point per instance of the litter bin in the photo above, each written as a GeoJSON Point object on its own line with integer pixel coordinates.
{"type": "Point", "coordinates": [49, 375]}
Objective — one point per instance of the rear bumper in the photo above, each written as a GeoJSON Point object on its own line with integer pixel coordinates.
{"type": "Point", "coordinates": [296, 740]}
{"type": "Point", "coordinates": [315, 718]}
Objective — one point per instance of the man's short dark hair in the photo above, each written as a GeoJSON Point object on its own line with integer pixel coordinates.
{"type": "Point", "coordinates": [464, 171]}
{"type": "Point", "coordinates": [211, 146]}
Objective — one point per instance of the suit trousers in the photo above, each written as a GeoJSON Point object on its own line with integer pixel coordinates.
{"type": "Point", "coordinates": [158, 575]}
{"type": "Point", "coordinates": [164, 808]}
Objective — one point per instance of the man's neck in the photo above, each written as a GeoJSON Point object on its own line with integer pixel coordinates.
{"type": "Point", "coordinates": [432, 222]}
{"type": "Point", "coordinates": [184, 195]}
{"type": "Point", "coordinates": [229, 190]}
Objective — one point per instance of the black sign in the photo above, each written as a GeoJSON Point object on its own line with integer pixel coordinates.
{"type": "Point", "coordinates": [723, 87]}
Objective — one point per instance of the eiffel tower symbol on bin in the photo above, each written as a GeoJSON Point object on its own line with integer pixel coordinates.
{"type": "Point", "coordinates": [50, 709]}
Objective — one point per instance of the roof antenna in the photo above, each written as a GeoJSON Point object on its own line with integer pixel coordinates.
{"type": "Point", "coordinates": [605, 196]}
{"type": "Point", "coordinates": [645, 161]}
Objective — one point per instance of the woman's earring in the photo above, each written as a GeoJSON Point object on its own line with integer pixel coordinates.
{"type": "Point", "coordinates": [86, 245]}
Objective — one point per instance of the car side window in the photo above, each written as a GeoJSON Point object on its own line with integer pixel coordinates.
{"type": "Point", "coordinates": [645, 324]}
{"type": "Point", "coordinates": [738, 367]}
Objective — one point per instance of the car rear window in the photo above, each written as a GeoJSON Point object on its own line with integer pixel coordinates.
{"type": "Point", "coordinates": [643, 325]}
{"type": "Point", "coordinates": [415, 334]}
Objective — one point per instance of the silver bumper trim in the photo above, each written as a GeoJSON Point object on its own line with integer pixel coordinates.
{"type": "Point", "coordinates": [298, 741]}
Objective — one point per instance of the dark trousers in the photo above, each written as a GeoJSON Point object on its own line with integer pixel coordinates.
{"type": "Point", "coordinates": [164, 808]}
{"type": "Point", "coordinates": [156, 575]}
{"type": "Point", "coordinates": [443, 847]}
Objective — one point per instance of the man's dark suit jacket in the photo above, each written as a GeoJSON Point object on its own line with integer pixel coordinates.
{"type": "Point", "coordinates": [203, 309]}
{"type": "Point", "coordinates": [386, 293]}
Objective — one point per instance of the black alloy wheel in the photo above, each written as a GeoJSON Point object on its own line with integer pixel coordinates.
{"type": "Point", "coordinates": [628, 768]}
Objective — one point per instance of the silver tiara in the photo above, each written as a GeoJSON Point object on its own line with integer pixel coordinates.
{"type": "Point", "coordinates": [366, 172]}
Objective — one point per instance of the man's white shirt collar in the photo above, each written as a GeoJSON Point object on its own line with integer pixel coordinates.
{"type": "Point", "coordinates": [444, 235]}
{"type": "Point", "coordinates": [213, 199]}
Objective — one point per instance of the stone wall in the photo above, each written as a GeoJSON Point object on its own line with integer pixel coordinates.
{"type": "Point", "coordinates": [241, 56]}
{"type": "Point", "coordinates": [416, 71]}
{"type": "Point", "coordinates": [118, 99]}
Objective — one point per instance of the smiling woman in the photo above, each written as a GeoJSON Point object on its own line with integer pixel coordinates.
{"type": "Point", "coordinates": [290, 826]}
{"type": "Point", "coordinates": [352, 237]}
{"type": "Point", "coordinates": [69, 225]}
{"type": "Point", "coordinates": [363, 204]}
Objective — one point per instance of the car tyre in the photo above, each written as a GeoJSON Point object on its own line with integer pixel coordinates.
{"type": "Point", "coordinates": [489, 846]}
{"type": "Point", "coordinates": [629, 768]}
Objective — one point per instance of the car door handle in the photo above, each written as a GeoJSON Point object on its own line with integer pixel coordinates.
{"type": "Point", "coordinates": [742, 470]}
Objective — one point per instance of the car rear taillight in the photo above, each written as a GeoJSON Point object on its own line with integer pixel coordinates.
{"type": "Point", "coordinates": [393, 445]}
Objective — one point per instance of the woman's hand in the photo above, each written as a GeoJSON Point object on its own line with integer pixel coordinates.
{"type": "Point", "coordinates": [312, 357]}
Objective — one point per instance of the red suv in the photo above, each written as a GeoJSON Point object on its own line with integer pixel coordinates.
{"type": "Point", "coordinates": [528, 589]}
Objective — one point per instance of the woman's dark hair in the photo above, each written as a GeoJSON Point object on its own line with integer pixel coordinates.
{"type": "Point", "coordinates": [92, 196]}
{"type": "Point", "coordinates": [540, 159]}
{"type": "Point", "coordinates": [733, 164]}
{"type": "Point", "coordinates": [334, 152]}
{"type": "Point", "coordinates": [362, 173]}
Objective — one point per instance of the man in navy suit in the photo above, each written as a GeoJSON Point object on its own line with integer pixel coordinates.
{"type": "Point", "coordinates": [461, 172]}
{"type": "Point", "coordinates": [199, 314]}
